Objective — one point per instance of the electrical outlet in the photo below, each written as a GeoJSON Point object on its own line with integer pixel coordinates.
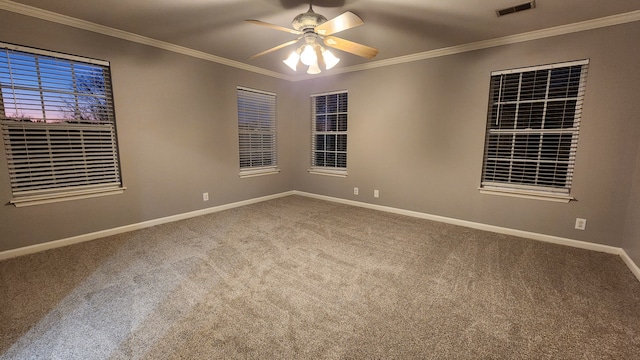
{"type": "Point", "coordinates": [205, 196]}
{"type": "Point", "coordinates": [581, 224]}
{"type": "Point", "coordinates": [355, 191]}
{"type": "Point", "coordinates": [376, 193]}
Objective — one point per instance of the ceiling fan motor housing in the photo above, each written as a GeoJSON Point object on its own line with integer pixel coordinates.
{"type": "Point", "coordinates": [308, 20]}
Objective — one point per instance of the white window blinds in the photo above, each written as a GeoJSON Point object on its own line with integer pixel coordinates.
{"type": "Point", "coordinates": [58, 123]}
{"type": "Point", "coordinates": [256, 130]}
{"type": "Point", "coordinates": [329, 130]}
{"type": "Point", "coordinates": [532, 128]}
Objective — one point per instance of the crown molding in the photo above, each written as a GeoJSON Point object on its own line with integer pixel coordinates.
{"type": "Point", "coordinates": [612, 20]}
{"type": "Point", "coordinates": [120, 34]}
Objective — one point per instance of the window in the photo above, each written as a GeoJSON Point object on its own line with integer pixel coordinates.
{"type": "Point", "coordinates": [532, 130]}
{"type": "Point", "coordinates": [58, 126]}
{"type": "Point", "coordinates": [257, 132]}
{"type": "Point", "coordinates": [329, 133]}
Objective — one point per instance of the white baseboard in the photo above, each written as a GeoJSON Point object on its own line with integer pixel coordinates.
{"type": "Point", "coordinates": [122, 229]}
{"type": "Point", "coordinates": [632, 265]}
{"type": "Point", "coordinates": [496, 229]}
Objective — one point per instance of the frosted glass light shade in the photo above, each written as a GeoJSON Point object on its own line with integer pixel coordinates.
{"type": "Point", "coordinates": [292, 60]}
{"type": "Point", "coordinates": [313, 69]}
{"type": "Point", "coordinates": [308, 56]}
{"type": "Point", "coordinates": [329, 59]}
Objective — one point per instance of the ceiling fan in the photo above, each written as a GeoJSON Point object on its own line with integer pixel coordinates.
{"type": "Point", "coordinates": [314, 28]}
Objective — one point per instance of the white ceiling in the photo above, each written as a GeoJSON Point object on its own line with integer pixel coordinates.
{"type": "Point", "coordinates": [395, 27]}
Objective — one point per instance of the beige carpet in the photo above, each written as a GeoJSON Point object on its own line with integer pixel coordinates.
{"type": "Point", "coordinates": [299, 278]}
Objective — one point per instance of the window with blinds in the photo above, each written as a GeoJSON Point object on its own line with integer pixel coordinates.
{"type": "Point", "coordinates": [58, 125]}
{"type": "Point", "coordinates": [256, 131]}
{"type": "Point", "coordinates": [532, 129]}
{"type": "Point", "coordinates": [329, 131]}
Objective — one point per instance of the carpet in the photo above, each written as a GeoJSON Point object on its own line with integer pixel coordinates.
{"type": "Point", "coordinates": [301, 278]}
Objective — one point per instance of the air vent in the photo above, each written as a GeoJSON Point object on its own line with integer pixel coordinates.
{"type": "Point", "coordinates": [517, 8]}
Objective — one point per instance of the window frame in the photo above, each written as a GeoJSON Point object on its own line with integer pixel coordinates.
{"type": "Point", "coordinates": [544, 187]}
{"type": "Point", "coordinates": [71, 154]}
{"type": "Point", "coordinates": [260, 123]}
{"type": "Point", "coordinates": [315, 168]}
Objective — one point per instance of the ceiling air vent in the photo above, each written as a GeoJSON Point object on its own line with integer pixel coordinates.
{"type": "Point", "coordinates": [517, 8]}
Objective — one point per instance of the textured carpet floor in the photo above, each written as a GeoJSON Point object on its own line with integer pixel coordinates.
{"type": "Point", "coordinates": [302, 278]}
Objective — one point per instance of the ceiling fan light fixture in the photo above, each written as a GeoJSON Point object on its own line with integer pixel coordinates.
{"type": "Point", "coordinates": [292, 60]}
{"type": "Point", "coordinates": [316, 31]}
{"type": "Point", "coordinates": [308, 55]}
{"type": "Point", "coordinates": [330, 60]}
{"type": "Point", "coordinates": [313, 69]}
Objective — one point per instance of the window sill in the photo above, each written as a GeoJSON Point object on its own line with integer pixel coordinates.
{"type": "Point", "coordinates": [562, 198]}
{"type": "Point", "coordinates": [260, 172]}
{"type": "Point", "coordinates": [328, 172]}
{"type": "Point", "coordinates": [30, 200]}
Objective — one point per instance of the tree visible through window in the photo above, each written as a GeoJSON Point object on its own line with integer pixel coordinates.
{"type": "Point", "coordinates": [532, 128]}
{"type": "Point", "coordinates": [58, 124]}
{"type": "Point", "coordinates": [329, 131]}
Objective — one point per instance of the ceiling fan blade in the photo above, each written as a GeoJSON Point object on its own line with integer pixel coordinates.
{"type": "Point", "coordinates": [351, 47]}
{"type": "Point", "coordinates": [277, 27]}
{"type": "Point", "coordinates": [339, 23]}
{"type": "Point", "coordinates": [276, 48]}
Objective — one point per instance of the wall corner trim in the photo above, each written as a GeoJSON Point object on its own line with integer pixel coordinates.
{"type": "Point", "coordinates": [492, 228]}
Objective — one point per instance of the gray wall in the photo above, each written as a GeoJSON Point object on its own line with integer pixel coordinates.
{"type": "Point", "coordinates": [177, 132]}
{"type": "Point", "coordinates": [416, 133]}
